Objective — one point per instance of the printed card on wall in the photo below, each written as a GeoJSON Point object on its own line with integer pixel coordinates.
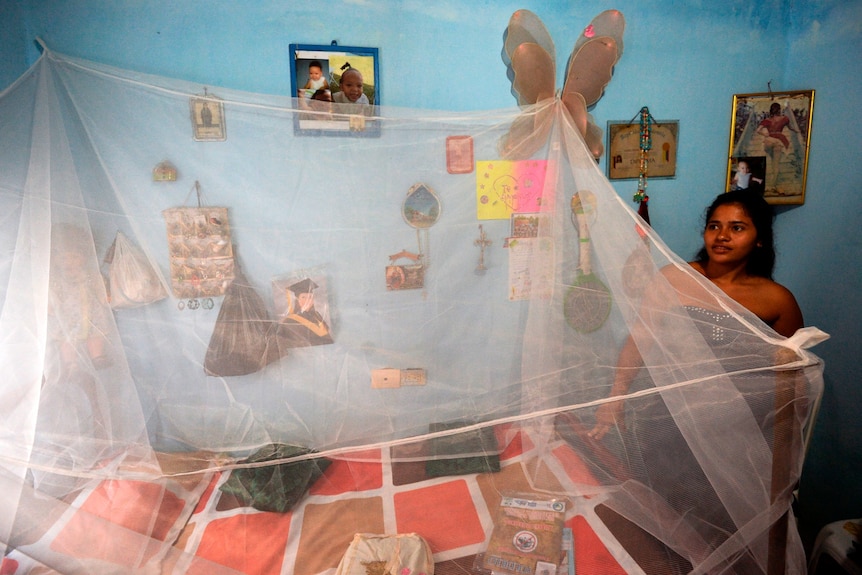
{"type": "Point", "coordinates": [504, 187]}
{"type": "Point", "coordinates": [201, 254]}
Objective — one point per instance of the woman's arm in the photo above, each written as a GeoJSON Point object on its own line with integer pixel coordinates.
{"type": "Point", "coordinates": [629, 363]}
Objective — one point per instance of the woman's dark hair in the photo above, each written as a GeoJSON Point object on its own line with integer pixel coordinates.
{"type": "Point", "coordinates": [761, 262]}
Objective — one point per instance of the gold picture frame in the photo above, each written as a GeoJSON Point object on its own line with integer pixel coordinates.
{"type": "Point", "coordinates": [770, 132]}
{"type": "Point", "coordinates": [624, 150]}
{"type": "Point", "coordinates": [208, 122]}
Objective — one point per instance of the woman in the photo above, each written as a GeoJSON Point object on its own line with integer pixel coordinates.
{"type": "Point", "coordinates": [738, 256]}
{"type": "Point", "coordinates": [679, 475]}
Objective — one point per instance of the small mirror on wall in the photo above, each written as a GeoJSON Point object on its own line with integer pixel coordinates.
{"type": "Point", "coordinates": [336, 88]}
{"type": "Point", "coordinates": [421, 208]}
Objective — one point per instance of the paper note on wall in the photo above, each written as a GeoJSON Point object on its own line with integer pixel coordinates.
{"type": "Point", "coordinates": [504, 187]}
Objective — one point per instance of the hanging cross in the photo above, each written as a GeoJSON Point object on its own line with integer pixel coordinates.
{"type": "Point", "coordinates": [482, 241]}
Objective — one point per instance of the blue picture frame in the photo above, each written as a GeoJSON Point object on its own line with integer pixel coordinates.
{"type": "Point", "coordinates": [315, 68]}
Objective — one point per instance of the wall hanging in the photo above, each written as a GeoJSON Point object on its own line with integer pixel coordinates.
{"type": "Point", "coordinates": [769, 138]}
{"type": "Point", "coordinates": [529, 53]}
{"type": "Point", "coordinates": [201, 254]}
{"type": "Point", "coordinates": [624, 148]}
{"type": "Point", "coordinates": [208, 121]}
{"type": "Point", "coordinates": [336, 87]}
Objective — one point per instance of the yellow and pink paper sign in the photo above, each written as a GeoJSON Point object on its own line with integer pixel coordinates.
{"type": "Point", "coordinates": [506, 187]}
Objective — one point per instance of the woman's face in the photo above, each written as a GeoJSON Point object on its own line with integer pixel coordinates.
{"type": "Point", "coordinates": [730, 235]}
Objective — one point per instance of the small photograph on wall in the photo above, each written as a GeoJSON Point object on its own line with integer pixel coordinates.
{"type": "Point", "coordinates": [772, 129]}
{"type": "Point", "coordinates": [747, 173]}
{"type": "Point", "coordinates": [302, 305]}
{"type": "Point", "coordinates": [336, 89]}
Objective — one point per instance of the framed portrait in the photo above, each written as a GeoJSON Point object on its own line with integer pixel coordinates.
{"type": "Point", "coordinates": [769, 138]}
{"type": "Point", "coordinates": [624, 151]}
{"type": "Point", "coordinates": [336, 89]}
{"type": "Point", "coordinates": [208, 123]}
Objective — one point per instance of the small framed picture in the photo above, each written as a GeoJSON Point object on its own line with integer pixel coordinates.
{"type": "Point", "coordinates": [336, 89]}
{"type": "Point", "coordinates": [459, 154]}
{"type": "Point", "coordinates": [769, 137]}
{"type": "Point", "coordinates": [624, 149]}
{"type": "Point", "coordinates": [208, 122]}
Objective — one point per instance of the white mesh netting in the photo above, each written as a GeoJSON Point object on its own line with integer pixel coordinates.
{"type": "Point", "coordinates": [92, 394]}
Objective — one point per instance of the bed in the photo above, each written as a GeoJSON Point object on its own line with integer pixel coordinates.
{"type": "Point", "coordinates": [185, 523]}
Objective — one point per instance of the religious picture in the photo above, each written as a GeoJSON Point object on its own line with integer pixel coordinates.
{"type": "Point", "coordinates": [770, 135]}
{"type": "Point", "coordinates": [208, 124]}
{"type": "Point", "coordinates": [303, 311]}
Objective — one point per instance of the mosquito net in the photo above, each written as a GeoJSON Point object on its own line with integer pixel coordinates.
{"type": "Point", "coordinates": [271, 283]}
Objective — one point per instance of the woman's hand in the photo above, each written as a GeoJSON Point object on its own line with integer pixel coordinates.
{"type": "Point", "coordinates": [608, 415]}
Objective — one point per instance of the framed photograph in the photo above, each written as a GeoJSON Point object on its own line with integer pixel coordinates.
{"type": "Point", "coordinates": [624, 151]}
{"type": "Point", "coordinates": [769, 137]}
{"type": "Point", "coordinates": [336, 88]}
{"type": "Point", "coordinates": [208, 123]}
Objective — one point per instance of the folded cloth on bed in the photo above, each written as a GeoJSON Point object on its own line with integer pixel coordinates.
{"type": "Point", "coordinates": [277, 487]}
{"type": "Point", "coordinates": [403, 554]}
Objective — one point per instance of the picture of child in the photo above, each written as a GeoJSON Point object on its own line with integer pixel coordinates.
{"type": "Point", "coordinates": [316, 79]}
{"type": "Point", "coordinates": [351, 85]}
{"type": "Point", "coordinates": [748, 175]}
{"type": "Point", "coordinates": [335, 89]}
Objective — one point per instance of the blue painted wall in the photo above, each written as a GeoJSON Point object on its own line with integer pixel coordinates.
{"type": "Point", "coordinates": [683, 59]}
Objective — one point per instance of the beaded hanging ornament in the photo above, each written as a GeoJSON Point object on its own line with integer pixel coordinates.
{"type": "Point", "coordinates": [641, 197]}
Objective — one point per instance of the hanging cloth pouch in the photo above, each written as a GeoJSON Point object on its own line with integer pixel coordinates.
{"type": "Point", "coordinates": [132, 279]}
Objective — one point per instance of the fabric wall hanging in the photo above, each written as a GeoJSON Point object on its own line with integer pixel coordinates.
{"type": "Point", "coordinates": [199, 244]}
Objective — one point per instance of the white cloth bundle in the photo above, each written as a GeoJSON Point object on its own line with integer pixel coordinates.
{"type": "Point", "coordinates": [403, 554]}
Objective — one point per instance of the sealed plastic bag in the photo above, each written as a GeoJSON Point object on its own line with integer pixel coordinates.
{"type": "Point", "coordinates": [133, 281]}
{"type": "Point", "coordinates": [527, 537]}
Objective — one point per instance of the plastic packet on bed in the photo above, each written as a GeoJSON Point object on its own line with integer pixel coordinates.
{"type": "Point", "coordinates": [527, 537]}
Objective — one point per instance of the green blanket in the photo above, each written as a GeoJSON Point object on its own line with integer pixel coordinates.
{"type": "Point", "coordinates": [277, 487]}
